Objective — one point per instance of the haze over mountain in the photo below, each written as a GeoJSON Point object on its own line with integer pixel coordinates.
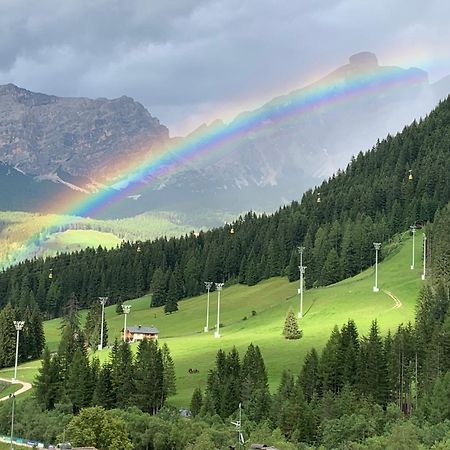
{"type": "Point", "coordinates": [77, 142]}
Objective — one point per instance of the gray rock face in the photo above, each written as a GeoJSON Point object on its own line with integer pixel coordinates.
{"type": "Point", "coordinates": [43, 133]}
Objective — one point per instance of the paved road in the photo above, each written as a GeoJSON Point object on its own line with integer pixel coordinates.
{"type": "Point", "coordinates": [25, 387]}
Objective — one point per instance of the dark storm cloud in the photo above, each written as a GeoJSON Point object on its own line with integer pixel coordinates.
{"type": "Point", "coordinates": [186, 60]}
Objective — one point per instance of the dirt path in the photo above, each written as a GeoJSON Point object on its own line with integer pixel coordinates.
{"type": "Point", "coordinates": [25, 387]}
{"type": "Point", "coordinates": [398, 303]}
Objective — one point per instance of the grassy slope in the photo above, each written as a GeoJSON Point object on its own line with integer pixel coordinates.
{"type": "Point", "coordinates": [324, 307]}
{"type": "Point", "coordinates": [73, 240]}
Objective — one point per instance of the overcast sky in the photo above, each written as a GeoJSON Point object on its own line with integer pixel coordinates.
{"type": "Point", "coordinates": [196, 60]}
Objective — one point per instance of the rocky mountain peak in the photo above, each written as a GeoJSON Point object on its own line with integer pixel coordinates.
{"type": "Point", "coordinates": [364, 60]}
{"type": "Point", "coordinates": [42, 133]}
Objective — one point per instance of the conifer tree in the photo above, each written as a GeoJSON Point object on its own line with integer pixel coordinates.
{"type": "Point", "coordinates": [330, 364]}
{"type": "Point", "coordinates": [291, 330]}
{"type": "Point", "coordinates": [372, 366]}
{"type": "Point", "coordinates": [149, 377]}
{"type": "Point", "coordinates": [308, 380]}
{"type": "Point", "coordinates": [196, 402]}
{"type": "Point", "coordinates": [348, 353]}
{"type": "Point", "coordinates": [7, 336]}
{"type": "Point", "coordinates": [47, 383]}
{"type": "Point", "coordinates": [331, 272]}
{"type": "Point", "coordinates": [122, 374]}
{"type": "Point", "coordinates": [78, 381]}
{"type": "Point", "coordinates": [169, 380]}
{"type": "Point", "coordinates": [293, 272]}
{"type": "Point", "coordinates": [171, 304]}
{"type": "Point", "coordinates": [158, 288]}
{"type": "Point", "coordinates": [104, 392]}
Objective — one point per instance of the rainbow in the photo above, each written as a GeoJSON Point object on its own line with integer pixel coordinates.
{"type": "Point", "coordinates": [165, 161]}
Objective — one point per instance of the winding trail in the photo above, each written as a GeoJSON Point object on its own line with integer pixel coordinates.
{"type": "Point", "coordinates": [25, 387]}
{"type": "Point", "coordinates": [398, 303]}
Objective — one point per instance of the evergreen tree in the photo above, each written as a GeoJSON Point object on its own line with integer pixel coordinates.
{"type": "Point", "coordinates": [348, 353]}
{"type": "Point", "coordinates": [149, 377]}
{"type": "Point", "coordinates": [158, 287]}
{"type": "Point", "coordinates": [291, 330]}
{"type": "Point", "coordinates": [72, 340]}
{"type": "Point", "coordinates": [104, 392]}
{"type": "Point", "coordinates": [78, 381]}
{"type": "Point", "coordinates": [331, 272]}
{"type": "Point", "coordinates": [48, 382]}
{"type": "Point", "coordinates": [7, 336]}
{"type": "Point", "coordinates": [196, 402]}
{"type": "Point", "coordinates": [171, 304]}
{"type": "Point", "coordinates": [372, 366]}
{"type": "Point", "coordinates": [330, 364]}
{"type": "Point", "coordinates": [231, 384]}
{"type": "Point", "coordinates": [293, 272]}
{"type": "Point", "coordinates": [308, 380]}
{"type": "Point", "coordinates": [169, 380]}
{"type": "Point", "coordinates": [122, 374]}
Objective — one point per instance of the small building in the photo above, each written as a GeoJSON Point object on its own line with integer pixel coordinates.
{"type": "Point", "coordinates": [139, 333]}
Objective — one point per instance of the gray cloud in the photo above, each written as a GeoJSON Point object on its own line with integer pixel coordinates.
{"type": "Point", "coordinates": [191, 60]}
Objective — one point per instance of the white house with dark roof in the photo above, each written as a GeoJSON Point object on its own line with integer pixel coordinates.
{"type": "Point", "coordinates": [139, 333]}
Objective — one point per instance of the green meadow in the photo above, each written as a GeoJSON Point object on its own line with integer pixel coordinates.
{"type": "Point", "coordinates": [73, 240]}
{"type": "Point", "coordinates": [270, 300]}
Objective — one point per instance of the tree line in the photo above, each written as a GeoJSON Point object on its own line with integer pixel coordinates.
{"type": "Point", "coordinates": [371, 200]}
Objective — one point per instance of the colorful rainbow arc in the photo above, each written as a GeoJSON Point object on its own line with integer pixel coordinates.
{"type": "Point", "coordinates": [215, 140]}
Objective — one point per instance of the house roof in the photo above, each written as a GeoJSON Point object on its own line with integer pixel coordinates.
{"type": "Point", "coordinates": [143, 330]}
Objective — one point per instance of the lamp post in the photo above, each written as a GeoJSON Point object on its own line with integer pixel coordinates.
{"type": "Point", "coordinates": [126, 311]}
{"type": "Point", "coordinates": [219, 287]}
{"type": "Point", "coordinates": [302, 271]}
{"type": "Point", "coordinates": [377, 246]}
{"type": "Point", "coordinates": [424, 256]}
{"type": "Point", "coordinates": [18, 324]}
{"type": "Point", "coordinates": [103, 301]}
{"type": "Point", "coordinates": [413, 231]}
{"type": "Point", "coordinates": [208, 285]}
{"type": "Point", "coordinates": [13, 397]}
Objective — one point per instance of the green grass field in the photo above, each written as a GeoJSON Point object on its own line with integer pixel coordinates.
{"type": "Point", "coordinates": [73, 240]}
{"type": "Point", "coordinates": [271, 299]}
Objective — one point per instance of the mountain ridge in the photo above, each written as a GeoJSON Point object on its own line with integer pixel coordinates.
{"type": "Point", "coordinates": [269, 164]}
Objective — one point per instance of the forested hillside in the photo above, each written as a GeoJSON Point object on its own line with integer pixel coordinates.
{"type": "Point", "coordinates": [401, 181]}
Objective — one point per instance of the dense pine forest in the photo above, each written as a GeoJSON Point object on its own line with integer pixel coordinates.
{"type": "Point", "coordinates": [403, 180]}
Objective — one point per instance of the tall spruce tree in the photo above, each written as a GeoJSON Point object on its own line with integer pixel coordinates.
{"type": "Point", "coordinates": [7, 336]}
{"type": "Point", "coordinates": [149, 377]}
{"type": "Point", "coordinates": [48, 382]}
{"type": "Point", "coordinates": [196, 402]}
{"type": "Point", "coordinates": [122, 374]}
{"type": "Point", "coordinates": [79, 381]}
{"type": "Point", "coordinates": [158, 288]}
{"type": "Point", "coordinates": [169, 378]}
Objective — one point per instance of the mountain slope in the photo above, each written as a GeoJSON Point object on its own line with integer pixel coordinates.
{"type": "Point", "coordinates": [271, 299]}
